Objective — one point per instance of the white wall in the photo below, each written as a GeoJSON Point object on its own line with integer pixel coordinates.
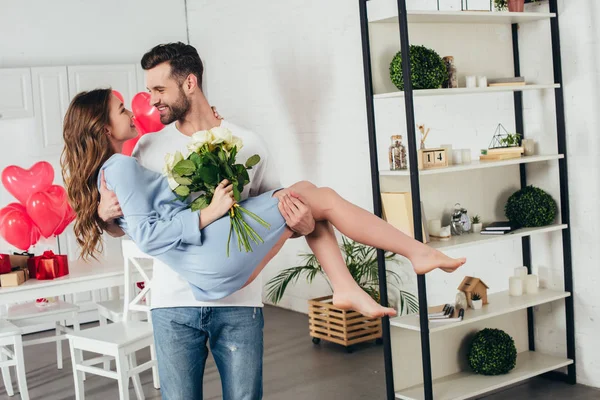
{"type": "Point", "coordinates": [580, 43]}
{"type": "Point", "coordinates": [293, 73]}
{"type": "Point", "coordinates": [72, 32]}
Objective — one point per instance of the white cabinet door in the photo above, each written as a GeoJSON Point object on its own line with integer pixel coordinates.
{"type": "Point", "coordinates": [50, 99]}
{"type": "Point", "coordinates": [15, 101]}
{"type": "Point", "coordinates": [122, 78]}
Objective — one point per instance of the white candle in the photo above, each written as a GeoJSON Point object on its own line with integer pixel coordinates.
{"type": "Point", "coordinates": [482, 81]}
{"type": "Point", "coordinates": [435, 225]}
{"type": "Point", "coordinates": [515, 286]}
{"type": "Point", "coordinates": [531, 284]}
{"type": "Point", "coordinates": [466, 156]}
{"type": "Point", "coordinates": [521, 272]}
{"type": "Point", "coordinates": [457, 156]}
{"type": "Point", "coordinates": [471, 81]}
{"type": "Point", "coordinates": [445, 231]}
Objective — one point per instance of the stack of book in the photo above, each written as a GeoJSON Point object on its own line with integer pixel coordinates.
{"type": "Point", "coordinates": [498, 228]}
{"type": "Point", "coordinates": [445, 313]}
{"type": "Point", "coordinates": [509, 81]}
{"type": "Point", "coordinates": [502, 153]}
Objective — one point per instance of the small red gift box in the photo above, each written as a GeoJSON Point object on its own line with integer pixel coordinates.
{"type": "Point", "coordinates": [48, 266]}
{"type": "Point", "coordinates": [5, 266]}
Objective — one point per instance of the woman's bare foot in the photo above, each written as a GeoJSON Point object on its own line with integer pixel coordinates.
{"type": "Point", "coordinates": [431, 259]}
{"type": "Point", "coordinates": [358, 300]}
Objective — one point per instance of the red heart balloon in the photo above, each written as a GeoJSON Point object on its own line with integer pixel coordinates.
{"type": "Point", "coordinates": [67, 219]}
{"type": "Point", "coordinates": [17, 228]}
{"type": "Point", "coordinates": [145, 113]}
{"type": "Point", "coordinates": [47, 209]}
{"type": "Point", "coordinates": [22, 183]}
{"type": "Point", "coordinates": [129, 145]}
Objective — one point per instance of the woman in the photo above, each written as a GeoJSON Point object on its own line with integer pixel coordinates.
{"type": "Point", "coordinates": [96, 126]}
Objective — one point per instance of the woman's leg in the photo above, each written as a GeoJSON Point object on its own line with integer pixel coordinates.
{"type": "Point", "coordinates": [366, 228]}
{"type": "Point", "coordinates": [346, 292]}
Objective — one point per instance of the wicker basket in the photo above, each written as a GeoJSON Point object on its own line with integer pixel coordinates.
{"type": "Point", "coordinates": [343, 327]}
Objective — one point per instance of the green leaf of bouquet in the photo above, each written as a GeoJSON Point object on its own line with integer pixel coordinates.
{"type": "Point", "coordinates": [236, 193]}
{"type": "Point", "coordinates": [209, 174]}
{"type": "Point", "coordinates": [232, 155]}
{"type": "Point", "coordinates": [200, 203]}
{"type": "Point", "coordinates": [252, 161]}
{"type": "Point", "coordinates": [196, 159]}
{"type": "Point", "coordinates": [183, 180]}
{"type": "Point", "coordinates": [183, 191]}
{"type": "Point", "coordinates": [222, 155]}
{"type": "Point", "coordinates": [184, 168]}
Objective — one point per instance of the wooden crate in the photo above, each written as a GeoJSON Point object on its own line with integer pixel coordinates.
{"type": "Point", "coordinates": [347, 328]}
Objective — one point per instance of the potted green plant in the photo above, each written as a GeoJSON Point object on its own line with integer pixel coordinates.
{"type": "Point", "coordinates": [428, 70]}
{"type": "Point", "coordinates": [362, 264]}
{"type": "Point", "coordinates": [511, 5]}
{"type": "Point", "coordinates": [510, 140]}
{"type": "Point", "coordinates": [476, 301]}
{"type": "Point", "coordinates": [476, 224]}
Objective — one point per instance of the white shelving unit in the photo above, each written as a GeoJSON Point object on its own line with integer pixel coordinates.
{"type": "Point", "coordinates": [477, 239]}
{"type": "Point", "coordinates": [499, 304]}
{"type": "Point", "coordinates": [477, 165]}
{"type": "Point", "coordinates": [385, 11]}
{"type": "Point", "coordinates": [477, 90]}
{"type": "Point", "coordinates": [466, 385]}
{"type": "Point", "coordinates": [439, 369]}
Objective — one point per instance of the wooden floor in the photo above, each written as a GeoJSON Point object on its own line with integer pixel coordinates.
{"type": "Point", "coordinates": [295, 368]}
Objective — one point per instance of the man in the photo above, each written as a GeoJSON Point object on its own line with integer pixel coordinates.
{"type": "Point", "coordinates": [233, 326]}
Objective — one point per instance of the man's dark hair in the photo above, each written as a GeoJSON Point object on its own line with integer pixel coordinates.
{"type": "Point", "coordinates": [183, 58]}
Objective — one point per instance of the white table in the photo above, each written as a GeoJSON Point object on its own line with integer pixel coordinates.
{"type": "Point", "coordinates": [82, 277]}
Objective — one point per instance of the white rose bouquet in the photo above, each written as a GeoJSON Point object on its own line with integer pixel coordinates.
{"type": "Point", "coordinates": [212, 159]}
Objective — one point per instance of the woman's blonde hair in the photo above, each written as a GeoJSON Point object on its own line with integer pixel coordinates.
{"type": "Point", "coordinates": [86, 148]}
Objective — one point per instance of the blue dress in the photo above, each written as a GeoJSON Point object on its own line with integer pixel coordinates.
{"type": "Point", "coordinates": [165, 228]}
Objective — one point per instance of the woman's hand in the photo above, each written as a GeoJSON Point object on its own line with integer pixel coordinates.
{"type": "Point", "coordinates": [220, 205]}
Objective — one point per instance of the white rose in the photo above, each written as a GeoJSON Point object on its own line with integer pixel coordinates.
{"type": "Point", "coordinates": [198, 140]}
{"type": "Point", "coordinates": [235, 142]}
{"type": "Point", "coordinates": [171, 161]}
{"type": "Point", "coordinates": [172, 182]}
{"type": "Point", "coordinates": [221, 135]}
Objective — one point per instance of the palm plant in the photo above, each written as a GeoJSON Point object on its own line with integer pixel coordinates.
{"type": "Point", "coordinates": [362, 264]}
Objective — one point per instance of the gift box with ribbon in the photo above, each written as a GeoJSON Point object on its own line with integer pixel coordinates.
{"type": "Point", "coordinates": [48, 266]}
{"type": "Point", "coordinates": [5, 266]}
{"type": "Point", "coordinates": [20, 259]}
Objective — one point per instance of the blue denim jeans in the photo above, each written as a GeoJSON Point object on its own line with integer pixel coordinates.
{"type": "Point", "coordinates": [235, 336]}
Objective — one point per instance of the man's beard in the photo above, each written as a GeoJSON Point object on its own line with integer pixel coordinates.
{"type": "Point", "coordinates": [177, 110]}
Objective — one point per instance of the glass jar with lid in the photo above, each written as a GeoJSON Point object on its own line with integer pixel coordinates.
{"type": "Point", "coordinates": [397, 154]}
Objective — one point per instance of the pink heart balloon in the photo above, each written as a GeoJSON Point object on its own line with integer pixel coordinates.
{"type": "Point", "coordinates": [47, 209]}
{"type": "Point", "coordinates": [17, 228]}
{"type": "Point", "coordinates": [22, 183]}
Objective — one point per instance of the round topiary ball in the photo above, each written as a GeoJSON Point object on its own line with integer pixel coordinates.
{"type": "Point", "coordinates": [492, 352]}
{"type": "Point", "coordinates": [428, 70]}
{"type": "Point", "coordinates": [530, 207]}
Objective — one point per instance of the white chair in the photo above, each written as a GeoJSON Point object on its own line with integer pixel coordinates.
{"type": "Point", "coordinates": [10, 335]}
{"type": "Point", "coordinates": [113, 311]}
{"type": "Point", "coordinates": [118, 341]}
{"type": "Point", "coordinates": [30, 314]}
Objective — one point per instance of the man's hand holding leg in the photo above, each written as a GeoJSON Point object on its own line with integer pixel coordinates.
{"type": "Point", "coordinates": [297, 214]}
